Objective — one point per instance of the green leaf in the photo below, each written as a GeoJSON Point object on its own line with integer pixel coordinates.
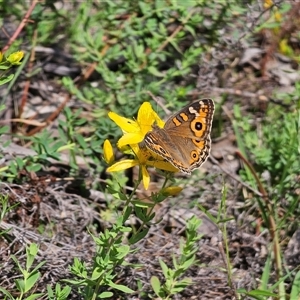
{"type": "Point", "coordinates": [17, 262]}
{"type": "Point", "coordinates": [20, 285]}
{"type": "Point", "coordinates": [31, 252]}
{"type": "Point", "coordinates": [140, 212]}
{"type": "Point", "coordinates": [155, 72]}
{"type": "Point", "coordinates": [185, 282]}
{"type": "Point", "coordinates": [164, 268]}
{"type": "Point", "coordinates": [190, 29]}
{"type": "Point", "coordinates": [50, 292]}
{"type": "Point", "coordinates": [256, 293]}
{"type": "Point", "coordinates": [176, 289]}
{"type": "Point", "coordinates": [97, 272]}
{"type": "Point", "coordinates": [122, 251]}
{"type": "Point", "coordinates": [137, 237]}
{"type": "Point", "coordinates": [127, 213]}
{"type": "Point", "coordinates": [34, 167]}
{"type": "Point", "coordinates": [38, 266]}
{"type": "Point", "coordinates": [125, 229]}
{"type": "Point", "coordinates": [4, 66]}
{"type": "Point", "coordinates": [295, 293]}
{"type": "Point", "coordinates": [19, 162]}
{"type": "Point", "coordinates": [6, 79]}
{"type": "Point", "coordinates": [121, 288]}
{"type": "Point", "coordinates": [4, 129]}
{"type": "Point", "coordinates": [81, 141]}
{"type": "Point", "coordinates": [266, 274]}
{"type": "Point", "coordinates": [155, 283]}
{"type": "Point", "coordinates": [65, 292]}
{"type": "Point", "coordinates": [105, 295]}
{"type": "Point", "coordinates": [31, 281]}
{"type": "Point", "coordinates": [145, 7]}
{"type": "Point", "coordinates": [6, 293]}
{"type": "Point", "coordinates": [13, 168]}
{"type": "Point", "coordinates": [142, 204]}
{"type": "Point", "coordinates": [188, 262]}
{"type": "Point", "coordinates": [35, 296]}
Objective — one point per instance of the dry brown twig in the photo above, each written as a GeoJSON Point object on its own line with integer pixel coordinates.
{"type": "Point", "coordinates": [21, 25]}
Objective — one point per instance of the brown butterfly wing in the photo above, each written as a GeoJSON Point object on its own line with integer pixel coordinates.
{"type": "Point", "coordinates": [185, 139]}
{"type": "Point", "coordinates": [160, 142]}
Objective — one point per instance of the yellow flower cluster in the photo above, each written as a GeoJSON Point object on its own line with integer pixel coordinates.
{"type": "Point", "coordinates": [277, 15]}
{"type": "Point", "coordinates": [15, 58]}
{"type": "Point", "coordinates": [134, 132]}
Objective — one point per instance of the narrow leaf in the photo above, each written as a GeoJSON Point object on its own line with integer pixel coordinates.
{"type": "Point", "coordinates": [31, 281]}
{"type": "Point", "coordinates": [6, 79]}
{"type": "Point", "coordinates": [295, 293]}
{"type": "Point", "coordinates": [34, 296]}
{"type": "Point", "coordinates": [135, 238]}
{"type": "Point", "coordinates": [106, 295]}
{"type": "Point", "coordinates": [155, 283]}
{"type": "Point", "coordinates": [121, 287]}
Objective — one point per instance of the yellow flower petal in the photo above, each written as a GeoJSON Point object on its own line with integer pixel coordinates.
{"type": "Point", "coordinates": [268, 3]}
{"type": "Point", "coordinates": [134, 133]}
{"type": "Point", "coordinates": [146, 177]}
{"type": "Point", "coordinates": [108, 152]}
{"type": "Point", "coordinates": [158, 120]}
{"type": "Point", "coordinates": [142, 153]}
{"type": "Point", "coordinates": [163, 165]}
{"type": "Point", "coordinates": [123, 165]}
{"type": "Point", "coordinates": [147, 116]}
{"type": "Point", "coordinates": [172, 190]}
{"type": "Point", "coordinates": [15, 57]}
{"type": "Point", "coordinates": [278, 16]}
{"type": "Point", "coordinates": [125, 124]}
{"type": "Point", "coordinates": [130, 138]}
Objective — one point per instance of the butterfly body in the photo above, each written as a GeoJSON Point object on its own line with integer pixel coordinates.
{"type": "Point", "coordinates": [184, 141]}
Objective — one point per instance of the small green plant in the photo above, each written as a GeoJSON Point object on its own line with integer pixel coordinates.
{"type": "Point", "coordinates": [58, 293]}
{"type": "Point", "coordinates": [30, 276]}
{"type": "Point", "coordinates": [173, 281]}
{"type": "Point", "coordinates": [5, 208]}
{"type": "Point", "coordinates": [275, 153]}
{"type": "Point", "coordinates": [111, 252]}
{"type": "Point", "coordinates": [48, 147]}
{"type": "Point", "coordinates": [6, 63]}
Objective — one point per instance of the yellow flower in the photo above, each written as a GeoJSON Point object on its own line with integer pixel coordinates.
{"type": "Point", "coordinates": [268, 3]}
{"type": "Point", "coordinates": [1, 56]}
{"type": "Point", "coordinates": [108, 152]}
{"type": "Point", "coordinates": [15, 57]}
{"type": "Point", "coordinates": [278, 16]}
{"type": "Point", "coordinates": [143, 158]}
{"type": "Point", "coordinates": [134, 131]}
{"type": "Point", "coordinates": [172, 190]}
{"type": "Point", "coordinates": [285, 48]}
